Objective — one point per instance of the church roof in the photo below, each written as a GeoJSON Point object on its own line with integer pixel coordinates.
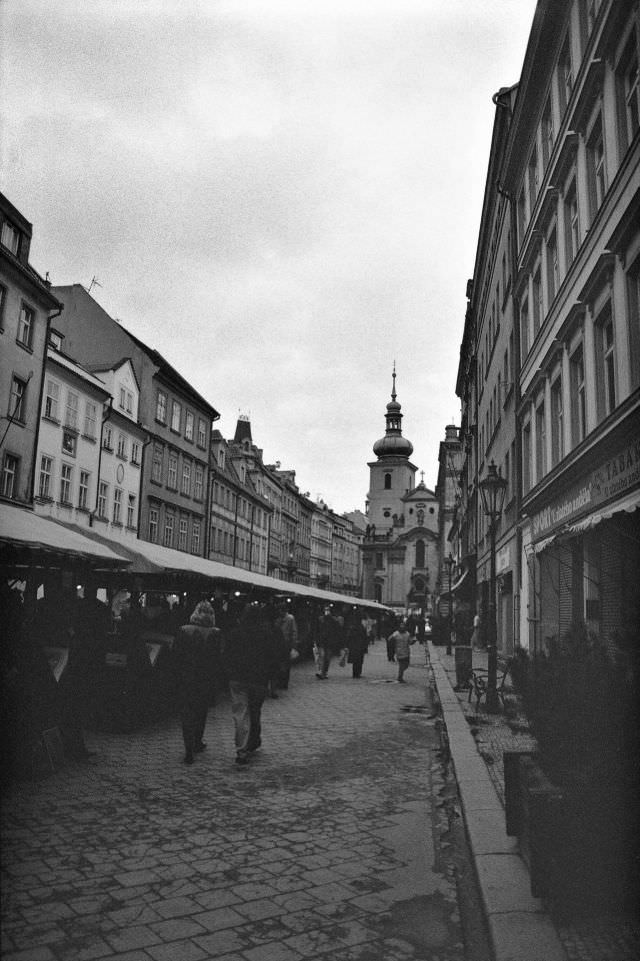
{"type": "Point", "coordinates": [393, 444]}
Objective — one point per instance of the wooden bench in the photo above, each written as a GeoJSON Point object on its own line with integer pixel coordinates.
{"type": "Point", "coordinates": [479, 681]}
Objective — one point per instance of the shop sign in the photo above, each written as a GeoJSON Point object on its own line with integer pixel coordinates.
{"type": "Point", "coordinates": [503, 559]}
{"type": "Point", "coordinates": [615, 476]}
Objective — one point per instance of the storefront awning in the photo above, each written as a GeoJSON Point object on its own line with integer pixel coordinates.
{"type": "Point", "coordinates": [628, 504]}
{"type": "Point", "coordinates": [27, 538]}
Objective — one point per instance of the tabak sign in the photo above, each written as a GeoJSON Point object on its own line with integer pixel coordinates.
{"type": "Point", "coordinates": [617, 475]}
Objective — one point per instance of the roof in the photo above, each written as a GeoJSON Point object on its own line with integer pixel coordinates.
{"type": "Point", "coordinates": [23, 530]}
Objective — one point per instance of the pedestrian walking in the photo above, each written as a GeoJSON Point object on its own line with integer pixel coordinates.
{"type": "Point", "coordinates": [402, 641]}
{"type": "Point", "coordinates": [357, 642]}
{"type": "Point", "coordinates": [250, 655]}
{"type": "Point", "coordinates": [196, 660]}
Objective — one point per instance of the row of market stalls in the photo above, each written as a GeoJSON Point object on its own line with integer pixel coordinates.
{"type": "Point", "coordinates": [73, 658]}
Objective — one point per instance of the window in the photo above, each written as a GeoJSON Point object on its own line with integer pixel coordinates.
{"type": "Point", "coordinates": [55, 340]}
{"type": "Point", "coordinates": [168, 530]}
{"type": "Point", "coordinates": [387, 482]}
{"type": "Point", "coordinates": [553, 274]}
{"type": "Point", "coordinates": [83, 490]}
{"type": "Point", "coordinates": [596, 168]}
{"type": "Point", "coordinates": [507, 477]}
{"type": "Point", "coordinates": [522, 218]}
{"type": "Point", "coordinates": [10, 467]}
{"type": "Point", "coordinates": [182, 534]}
{"type": "Point", "coordinates": [420, 554]}
{"type": "Point", "coordinates": [103, 498]}
{"type": "Point", "coordinates": [156, 466]}
{"type": "Point", "coordinates": [565, 74]}
{"type": "Point", "coordinates": [10, 237]}
{"type": "Point", "coordinates": [198, 483]}
{"type": "Point", "coordinates": [25, 326]}
{"type": "Point", "coordinates": [131, 512]}
{"type": "Point", "coordinates": [71, 414]}
{"type": "Point", "coordinates": [572, 223]}
{"type": "Point", "coordinates": [17, 399]}
{"type": "Point", "coordinates": [153, 525]}
{"type": "Point", "coordinates": [161, 407]}
{"type": "Point", "coordinates": [605, 365]}
{"type": "Point", "coordinates": [526, 457]}
{"type": "Point", "coordinates": [538, 309]}
{"type": "Point", "coordinates": [541, 442]}
{"type": "Point", "coordinates": [44, 482]}
{"type": "Point", "coordinates": [117, 506]}
{"type": "Point", "coordinates": [69, 440]}
{"type": "Point", "coordinates": [188, 425]}
{"type": "Point", "coordinates": [186, 478]}
{"type": "Point", "coordinates": [135, 452]}
{"type": "Point", "coordinates": [122, 398]}
{"type": "Point", "coordinates": [202, 433]}
{"type": "Point", "coordinates": [195, 538]}
{"type": "Point", "coordinates": [90, 420]}
{"type": "Point", "coordinates": [633, 291]}
{"type": "Point", "coordinates": [52, 399]}
{"type": "Point", "coordinates": [172, 476]}
{"type": "Point", "coordinates": [548, 136]}
{"type": "Point", "coordinates": [379, 561]}
{"type": "Point", "coordinates": [524, 331]}
{"type": "Point", "coordinates": [221, 458]}
{"type": "Point", "coordinates": [533, 179]}
{"type": "Point", "coordinates": [628, 94]}
{"type": "Point", "coordinates": [578, 400]}
{"type": "Point", "coordinates": [107, 437]}
{"type": "Point", "coordinates": [122, 446]}
{"type": "Point", "coordinates": [66, 476]}
{"type": "Point", "coordinates": [557, 437]}
{"type": "Point", "coordinates": [176, 411]}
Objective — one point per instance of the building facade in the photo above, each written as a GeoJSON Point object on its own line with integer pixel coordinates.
{"type": "Point", "coordinates": [27, 305]}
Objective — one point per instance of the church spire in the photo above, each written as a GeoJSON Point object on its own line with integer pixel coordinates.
{"type": "Point", "coordinates": [393, 443]}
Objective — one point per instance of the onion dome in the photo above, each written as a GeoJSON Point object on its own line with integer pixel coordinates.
{"type": "Point", "coordinates": [393, 444]}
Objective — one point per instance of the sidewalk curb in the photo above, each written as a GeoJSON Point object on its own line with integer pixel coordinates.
{"type": "Point", "coordinates": [518, 924]}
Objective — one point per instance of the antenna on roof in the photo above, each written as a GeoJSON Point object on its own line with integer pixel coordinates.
{"type": "Point", "coordinates": [94, 283]}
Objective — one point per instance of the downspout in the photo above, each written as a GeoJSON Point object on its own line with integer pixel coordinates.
{"type": "Point", "coordinates": [32, 486]}
{"type": "Point", "coordinates": [105, 417]}
{"type": "Point", "coordinates": [235, 533]}
{"type": "Point", "coordinates": [253, 511]}
{"type": "Point", "coordinates": [142, 466]}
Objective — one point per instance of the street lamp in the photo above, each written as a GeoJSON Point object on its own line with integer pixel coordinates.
{"type": "Point", "coordinates": [492, 490]}
{"type": "Point", "coordinates": [449, 562]}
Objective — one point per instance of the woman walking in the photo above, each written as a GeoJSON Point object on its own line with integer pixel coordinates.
{"type": "Point", "coordinates": [195, 652]}
{"type": "Point", "coordinates": [402, 640]}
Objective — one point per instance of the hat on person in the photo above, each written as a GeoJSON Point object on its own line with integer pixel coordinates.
{"type": "Point", "coordinates": [203, 615]}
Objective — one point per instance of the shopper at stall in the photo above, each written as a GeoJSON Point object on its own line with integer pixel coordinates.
{"type": "Point", "coordinates": [250, 654]}
{"type": "Point", "coordinates": [195, 655]}
{"type": "Point", "coordinates": [357, 641]}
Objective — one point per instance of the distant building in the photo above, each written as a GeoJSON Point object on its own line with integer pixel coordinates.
{"type": "Point", "coordinates": [401, 551]}
{"type": "Point", "coordinates": [27, 305]}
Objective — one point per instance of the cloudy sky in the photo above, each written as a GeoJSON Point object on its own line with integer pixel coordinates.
{"type": "Point", "coordinates": [281, 196]}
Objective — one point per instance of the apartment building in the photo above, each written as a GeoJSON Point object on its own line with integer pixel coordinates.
{"type": "Point", "coordinates": [27, 305]}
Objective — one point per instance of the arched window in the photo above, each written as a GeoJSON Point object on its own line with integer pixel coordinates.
{"type": "Point", "coordinates": [387, 482]}
{"type": "Point", "coordinates": [419, 553]}
{"type": "Point", "coordinates": [378, 593]}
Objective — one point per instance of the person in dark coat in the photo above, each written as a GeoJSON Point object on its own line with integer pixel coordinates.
{"type": "Point", "coordinates": [250, 656]}
{"type": "Point", "coordinates": [357, 642]}
{"type": "Point", "coordinates": [330, 640]}
{"type": "Point", "coordinates": [195, 658]}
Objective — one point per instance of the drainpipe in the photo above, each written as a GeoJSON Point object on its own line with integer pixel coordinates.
{"type": "Point", "coordinates": [32, 485]}
{"type": "Point", "coordinates": [106, 415]}
{"type": "Point", "coordinates": [142, 466]}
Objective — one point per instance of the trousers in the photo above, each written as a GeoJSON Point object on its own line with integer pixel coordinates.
{"type": "Point", "coordinates": [246, 709]}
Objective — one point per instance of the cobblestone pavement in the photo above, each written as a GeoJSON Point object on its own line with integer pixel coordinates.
{"type": "Point", "coordinates": [333, 843]}
{"type": "Point", "coordinates": [584, 939]}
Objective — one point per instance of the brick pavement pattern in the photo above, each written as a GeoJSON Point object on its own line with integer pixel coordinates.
{"type": "Point", "coordinates": [325, 846]}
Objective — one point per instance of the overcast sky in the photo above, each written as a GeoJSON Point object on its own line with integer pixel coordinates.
{"type": "Point", "coordinates": [281, 196]}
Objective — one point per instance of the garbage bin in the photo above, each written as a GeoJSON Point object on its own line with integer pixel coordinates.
{"type": "Point", "coordinates": [463, 653]}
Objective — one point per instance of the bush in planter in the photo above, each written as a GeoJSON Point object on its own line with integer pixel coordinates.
{"type": "Point", "coordinates": [581, 704]}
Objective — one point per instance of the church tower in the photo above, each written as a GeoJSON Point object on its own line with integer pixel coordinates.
{"type": "Point", "coordinates": [400, 548]}
{"type": "Point", "coordinates": [392, 475]}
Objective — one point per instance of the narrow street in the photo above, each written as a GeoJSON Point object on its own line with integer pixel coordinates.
{"type": "Point", "coordinates": [341, 840]}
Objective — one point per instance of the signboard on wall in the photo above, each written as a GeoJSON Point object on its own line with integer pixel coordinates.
{"type": "Point", "coordinates": [617, 475]}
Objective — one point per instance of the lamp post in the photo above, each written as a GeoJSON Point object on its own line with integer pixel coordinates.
{"type": "Point", "coordinates": [449, 562]}
{"type": "Point", "coordinates": [492, 490]}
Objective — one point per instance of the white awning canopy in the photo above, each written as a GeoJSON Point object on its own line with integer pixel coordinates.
{"type": "Point", "coordinates": [628, 504]}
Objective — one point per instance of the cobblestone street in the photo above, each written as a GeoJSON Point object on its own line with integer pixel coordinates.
{"type": "Point", "coordinates": [334, 842]}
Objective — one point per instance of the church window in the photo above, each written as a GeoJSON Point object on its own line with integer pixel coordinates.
{"type": "Point", "coordinates": [379, 561]}
{"type": "Point", "coordinates": [420, 518]}
{"type": "Point", "coordinates": [420, 553]}
{"type": "Point", "coordinates": [387, 513]}
{"type": "Point", "coordinates": [387, 482]}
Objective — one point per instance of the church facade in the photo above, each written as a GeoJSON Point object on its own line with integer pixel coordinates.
{"type": "Point", "coordinates": [401, 548]}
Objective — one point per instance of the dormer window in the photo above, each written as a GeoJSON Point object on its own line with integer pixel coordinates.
{"type": "Point", "coordinates": [55, 340]}
{"type": "Point", "coordinates": [10, 237]}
